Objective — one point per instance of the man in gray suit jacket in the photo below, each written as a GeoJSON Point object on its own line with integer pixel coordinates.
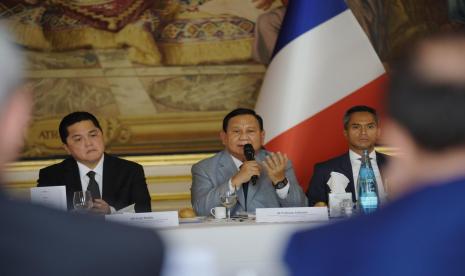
{"type": "Point", "coordinates": [275, 184]}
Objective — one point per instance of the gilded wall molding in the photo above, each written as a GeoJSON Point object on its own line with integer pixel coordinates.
{"type": "Point", "coordinates": [145, 161]}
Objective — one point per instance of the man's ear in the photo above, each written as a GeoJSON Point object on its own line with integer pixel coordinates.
{"type": "Point", "coordinates": [344, 131]}
{"type": "Point", "coordinates": [65, 146]}
{"type": "Point", "coordinates": [223, 137]}
{"type": "Point", "coordinates": [262, 137]}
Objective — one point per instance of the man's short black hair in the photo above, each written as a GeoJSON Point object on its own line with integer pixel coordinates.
{"type": "Point", "coordinates": [73, 118]}
{"type": "Point", "coordinates": [241, 111]}
{"type": "Point", "coordinates": [358, 108]}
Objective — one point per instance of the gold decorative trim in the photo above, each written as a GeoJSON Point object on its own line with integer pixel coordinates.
{"type": "Point", "coordinates": [20, 185]}
{"type": "Point", "coordinates": [166, 160]}
{"type": "Point", "coordinates": [20, 166]}
{"type": "Point", "coordinates": [153, 160]}
{"type": "Point", "coordinates": [168, 179]}
{"type": "Point", "coordinates": [170, 196]}
{"type": "Point", "coordinates": [388, 150]}
{"type": "Point", "coordinates": [149, 179]}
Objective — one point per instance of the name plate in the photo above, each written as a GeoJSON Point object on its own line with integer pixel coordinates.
{"type": "Point", "coordinates": [148, 220]}
{"type": "Point", "coordinates": [294, 214]}
{"type": "Point", "coordinates": [53, 196]}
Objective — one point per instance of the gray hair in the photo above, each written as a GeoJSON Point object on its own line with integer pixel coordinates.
{"type": "Point", "coordinates": [11, 62]}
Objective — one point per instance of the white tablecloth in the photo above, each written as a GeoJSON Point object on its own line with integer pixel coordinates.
{"type": "Point", "coordinates": [228, 248]}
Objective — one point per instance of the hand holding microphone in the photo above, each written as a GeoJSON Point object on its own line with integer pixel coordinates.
{"type": "Point", "coordinates": [250, 169]}
{"type": "Point", "coordinates": [249, 154]}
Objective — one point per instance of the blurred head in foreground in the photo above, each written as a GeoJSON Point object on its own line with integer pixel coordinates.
{"type": "Point", "coordinates": [15, 101]}
{"type": "Point", "coordinates": [426, 106]}
{"type": "Point", "coordinates": [116, 249]}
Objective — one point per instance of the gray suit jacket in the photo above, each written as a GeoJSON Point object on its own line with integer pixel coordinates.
{"type": "Point", "coordinates": [210, 179]}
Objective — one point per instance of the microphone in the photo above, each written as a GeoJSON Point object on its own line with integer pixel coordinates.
{"type": "Point", "coordinates": [249, 153]}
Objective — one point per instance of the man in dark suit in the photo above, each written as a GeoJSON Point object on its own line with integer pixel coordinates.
{"type": "Point", "coordinates": [36, 240]}
{"type": "Point", "coordinates": [114, 183]}
{"type": "Point", "coordinates": [361, 131]}
{"type": "Point", "coordinates": [422, 231]}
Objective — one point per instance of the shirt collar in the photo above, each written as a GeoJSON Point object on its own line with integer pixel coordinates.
{"type": "Point", "coordinates": [83, 169]}
{"type": "Point", "coordinates": [355, 157]}
{"type": "Point", "coordinates": [236, 161]}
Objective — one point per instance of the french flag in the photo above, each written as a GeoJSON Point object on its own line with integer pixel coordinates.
{"type": "Point", "coordinates": [323, 65]}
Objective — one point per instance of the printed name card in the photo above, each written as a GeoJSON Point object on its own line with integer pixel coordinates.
{"type": "Point", "coordinates": [149, 220]}
{"type": "Point", "coordinates": [292, 214]}
{"type": "Point", "coordinates": [53, 196]}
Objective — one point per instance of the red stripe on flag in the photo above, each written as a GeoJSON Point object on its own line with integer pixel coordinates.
{"type": "Point", "coordinates": [320, 137]}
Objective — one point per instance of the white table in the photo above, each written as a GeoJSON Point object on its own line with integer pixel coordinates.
{"type": "Point", "coordinates": [230, 248]}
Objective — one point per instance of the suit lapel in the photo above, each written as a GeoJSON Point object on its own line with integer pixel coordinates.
{"type": "Point", "coordinates": [346, 167]}
{"type": "Point", "coordinates": [73, 178]}
{"type": "Point", "coordinates": [108, 181]}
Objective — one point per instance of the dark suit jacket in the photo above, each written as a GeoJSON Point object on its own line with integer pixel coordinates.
{"type": "Point", "coordinates": [421, 234]}
{"type": "Point", "coordinates": [39, 241]}
{"type": "Point", "coordinates": [318, 190]}
{"type": "Point", "coordinates": [123, 182]}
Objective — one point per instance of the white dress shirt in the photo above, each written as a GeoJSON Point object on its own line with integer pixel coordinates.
{"type": "Point", "coordinates": [282, 193]}
{"type": "Point", "coordinates": [83, 170]}
{"type": "Point", "coordinates": [356, 162]}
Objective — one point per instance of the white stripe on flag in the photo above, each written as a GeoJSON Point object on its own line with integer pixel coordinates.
{"type": "Point", "coordinates": [314, 71]}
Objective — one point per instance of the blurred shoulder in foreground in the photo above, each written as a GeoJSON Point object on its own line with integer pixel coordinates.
{"type": "Point", "coordinates": [39, 241]}
{"type": "Point", "coordinates": [421, 232]}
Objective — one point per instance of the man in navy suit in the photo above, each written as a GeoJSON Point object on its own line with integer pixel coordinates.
{"type": "Point", "coordinates": [40, 241]}
{"type": "Point", "coordinates": [422, 232]}
{"type": "Point", "coordinates": [361, 131]}
{"type": "Point", "coordinates": [114, 183]}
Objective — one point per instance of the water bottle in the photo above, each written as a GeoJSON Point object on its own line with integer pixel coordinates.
{"type": "Point", "coordinates": [368, 200]}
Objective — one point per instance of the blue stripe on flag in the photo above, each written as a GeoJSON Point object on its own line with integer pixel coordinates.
{"type": "Point", "coordinates": [304, 15]}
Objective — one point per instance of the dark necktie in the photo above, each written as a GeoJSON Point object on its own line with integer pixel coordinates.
{"type": "Point", "coordinates": [245, 189]}
{"type": "Point", "coordinates": [93, 186]}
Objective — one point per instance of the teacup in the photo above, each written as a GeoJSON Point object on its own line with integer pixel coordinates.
{"type": "Point", "coordinates": [218, 212]}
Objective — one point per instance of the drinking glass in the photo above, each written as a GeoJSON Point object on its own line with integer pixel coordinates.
{"type": "Point", "coordinates": [82, 201]}
{"type": "Point", "coordinates": [228, 200]}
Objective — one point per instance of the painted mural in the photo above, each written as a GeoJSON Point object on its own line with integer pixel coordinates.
{"type": "Point", "coordinates": [160, 75]}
